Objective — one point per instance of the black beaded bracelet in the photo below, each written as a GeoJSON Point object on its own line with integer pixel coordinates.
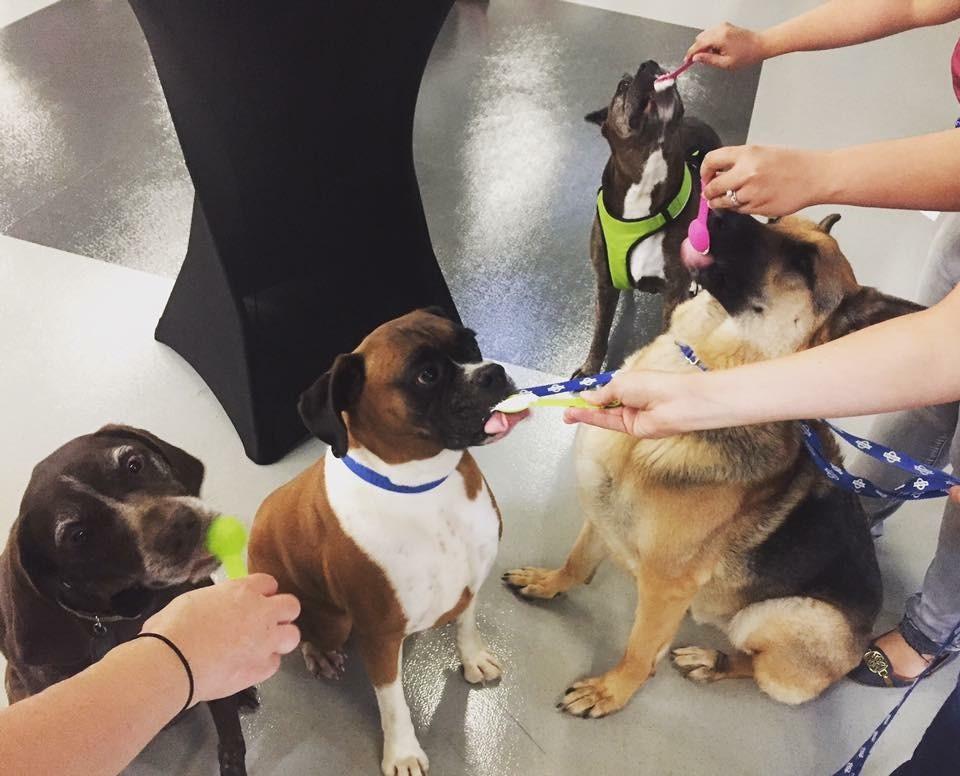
{"type": "Point", "coordinates": [179, 654]}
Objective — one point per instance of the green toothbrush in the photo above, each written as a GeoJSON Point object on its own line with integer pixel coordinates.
{"type": "Point", "coordinates": [227, 540]}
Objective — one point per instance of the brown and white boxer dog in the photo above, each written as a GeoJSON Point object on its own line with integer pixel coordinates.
{"type": "Point", "coordinates": [394, 530]}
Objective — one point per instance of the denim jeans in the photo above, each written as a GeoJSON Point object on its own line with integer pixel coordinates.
{"type": "Point", "coordinates": [929, 434]}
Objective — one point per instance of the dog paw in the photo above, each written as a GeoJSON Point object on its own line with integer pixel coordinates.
{"type": "Point", "coordinates": [482, 668]}
{"type": "Point", "coordinates": [232, 760]}
{"type": "Point", "coordinates": [698, 664]}
{"type": "Point", "coordinates": [329, 665]}
{"type": "Point", "coordinates": [588, 369]}
{"type": "Point", "coordinates": [408, 760]}
{"type": "Point", "coordinates": [598, 696]}
{"type": "Point", "coordinates": [533, 582]}
{"type": "Point", "coordinates": [248, 700]}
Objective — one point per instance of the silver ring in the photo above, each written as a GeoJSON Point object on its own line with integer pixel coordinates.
{"type": "Point", "coordinates": [732, 196]}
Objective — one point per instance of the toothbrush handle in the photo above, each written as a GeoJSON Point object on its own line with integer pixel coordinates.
{"type": "Point", "coordinates": [573, 401]}
{"type": "Point", "coordinates": [679, 71]}
{"type": "Point", "coordinates": [704, 210]}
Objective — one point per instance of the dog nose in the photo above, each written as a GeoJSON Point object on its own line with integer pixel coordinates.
{"type": "Point", "coordinates": [649, 67]}
{"type": "Point", "coordinates": [490, 376]}
{"type": "Point", "coordinates": [182, 533]}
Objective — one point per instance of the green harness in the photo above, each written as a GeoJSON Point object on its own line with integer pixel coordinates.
{"type": "Point", "coordinates": [621, 235]}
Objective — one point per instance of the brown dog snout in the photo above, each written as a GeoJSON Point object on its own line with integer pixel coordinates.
{"type": "Point", "coordinates": [178, 530]}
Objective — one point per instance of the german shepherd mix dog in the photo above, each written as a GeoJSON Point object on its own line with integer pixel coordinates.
{"type": "Point", "coordinates": [649, 196]}
{"type": "Point", "coordinates": [738, 525]}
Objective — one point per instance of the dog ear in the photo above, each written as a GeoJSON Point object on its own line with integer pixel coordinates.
{"type": "Point", "coordinates": [597, 117]}
{"type": "Point", "coordinates": [828, 221]}
{"type": "Point", "coordinates": [187, 469]}
{"type": "Point", "coordinates": [34, 629]}
{"type": "Point", "coordinates": [439, 311]}
{"type": "Point", "coordinates": [864, 308]}
{"type": "Point", "coordinates": [323, 403]}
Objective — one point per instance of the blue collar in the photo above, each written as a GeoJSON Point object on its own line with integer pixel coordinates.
{"type": "Point", "coordinates": [367, 474]}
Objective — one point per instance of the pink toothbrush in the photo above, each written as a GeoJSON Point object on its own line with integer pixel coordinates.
{"type": "Point", "coordinates": [663, 82]}
{"type": "Point", "coordinates": [697, 233]}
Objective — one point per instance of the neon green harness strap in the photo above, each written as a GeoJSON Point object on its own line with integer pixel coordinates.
{"type": "Point", "coordinates": [620, 236]}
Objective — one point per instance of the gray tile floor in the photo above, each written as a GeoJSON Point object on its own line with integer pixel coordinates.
{"type": "Point", "coordinates": [69, 167]}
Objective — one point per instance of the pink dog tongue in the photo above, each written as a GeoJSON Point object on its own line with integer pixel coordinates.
{"type": "Point", "coordinates": [502, 422]}
{"type": "Point", "coordinates": [497, 424]}
{"type": "Point", "coordinates": [692, 258]}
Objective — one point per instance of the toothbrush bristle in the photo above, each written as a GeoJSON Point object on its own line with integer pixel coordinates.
{"type": "Point", "coordinates": [662, 84]}
{"type": "Point", "coordinates": [516, 403]}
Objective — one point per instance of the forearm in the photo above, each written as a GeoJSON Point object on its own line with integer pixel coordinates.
{"type": "Point", "coordinates": [841, 23]}
{"type": "Point", "coordinates": [96, 722]}
{"type": "Point", "coordinates": [915, 173]}
{"type": "Point", "coordinates": [898, 364]}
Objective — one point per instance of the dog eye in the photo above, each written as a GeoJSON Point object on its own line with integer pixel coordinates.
{"type": "Point", "coordinates": [77, 536]}
{"type": "Point", "coordinates": [759, 309]}
{"type": "Point", "coordinates": [134, 464]}
{"type": "Point", "coordinates": [428, 376]}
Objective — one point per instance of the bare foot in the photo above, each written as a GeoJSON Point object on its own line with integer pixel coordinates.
{"type": "Point", "coordinates": [906, 662]}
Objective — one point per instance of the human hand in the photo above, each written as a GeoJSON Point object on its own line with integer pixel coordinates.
{"type": "Point", "coordinates": [232, 634]}
{"type": "Point", "coordinates": [652, 405]}
{"type": "Point", "coordinates": [728, 47]}
{"type": "Point", "coordinates": [955, 494]}
{"type": "Point", "coordinates": [768, 181]}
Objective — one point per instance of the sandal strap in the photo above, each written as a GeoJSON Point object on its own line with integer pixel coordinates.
{"type": "Point", "coordinates": [877, 662]}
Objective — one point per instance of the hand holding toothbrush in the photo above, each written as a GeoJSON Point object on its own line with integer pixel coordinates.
{"type": "Point", "coordinates": [728, 47]}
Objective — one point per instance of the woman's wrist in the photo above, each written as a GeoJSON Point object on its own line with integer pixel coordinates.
{"type": "Point", "coordinates": [156, 671]}
{"type": "Point", "coordinates": [714, 400]}
{"type": "Point", "coordinates": [691, 403]}
{"type": "Point", "coordinates": [772, 42]}
{"type": "Point", "coordinates": [825, 183]}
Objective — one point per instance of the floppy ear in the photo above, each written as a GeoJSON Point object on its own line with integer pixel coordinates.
{"type": "Point", "coordinates": [864, 308]}
{"type": "Point", "coordinates": [323, 403]}
{"type": "Point", "coordinates": [828, 221]}
{"type": "Point", "coordinates": [188, 469]}
{"type": "Point", "coordinates": [34, 629]}
{"type": "Point", "coordinates": [597, 117]}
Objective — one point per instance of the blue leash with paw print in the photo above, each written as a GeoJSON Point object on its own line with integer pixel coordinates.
{"type": "Point", "coordinates": [924, 482]}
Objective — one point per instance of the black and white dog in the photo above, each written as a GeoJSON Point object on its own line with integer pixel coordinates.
{"type": "Point", "coordinates": [649, 196]}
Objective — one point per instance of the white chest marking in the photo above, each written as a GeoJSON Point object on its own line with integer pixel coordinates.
{"type": "Point", "coordinates": [430, 545]}
{"type": "Point", "coordinates": [646, 259]}
{"type": "Point", "coordinates": [636, 203]}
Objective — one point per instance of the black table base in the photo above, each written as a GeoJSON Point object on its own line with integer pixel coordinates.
{"type": "Point", "coordinates": [295, 119]}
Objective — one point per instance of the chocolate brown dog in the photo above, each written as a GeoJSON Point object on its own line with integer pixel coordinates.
{"type": "Point", "coordinates": [110, 530]}
{"type": "Point", "coordinates": [649, 196]}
